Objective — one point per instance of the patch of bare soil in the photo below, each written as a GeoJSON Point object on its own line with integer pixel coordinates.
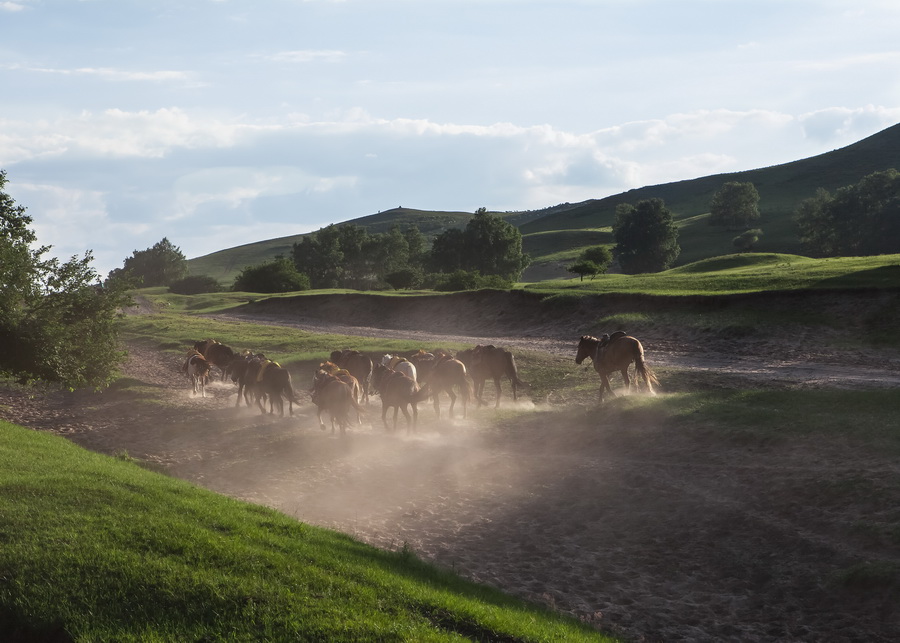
{"type": "Point", "coordinates": [643, 532]}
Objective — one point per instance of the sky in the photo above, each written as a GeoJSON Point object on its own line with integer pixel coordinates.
{"type": "Point", "coordinates": [215, 123]}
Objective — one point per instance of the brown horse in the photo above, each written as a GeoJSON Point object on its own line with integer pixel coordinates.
{"type": "Point", "coordinates": [616, 354]}
{"type": "Point", "coordinates": [275, 383]}
{"type": "Point", "coordinates": [444, 375]}
{"type": "Point", "coordinates": [399, 391]}
{"type": "Point", "coordinates": [239, 369]}
{"type": "Point", "coordinates": [217, 354]}
{"type": "Point", "coordinates": [197, 368]}
{"type": "Point", "coordinates": [345, 376]}
{"type": "Point", "coordinates": [332, 395]}
{"type": "Point", "coordinates": [489, 362]}
{"type": "Point", "coordinates": [359, 365]}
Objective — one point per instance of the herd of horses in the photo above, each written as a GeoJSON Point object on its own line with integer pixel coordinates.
{"type": "Point", "coordinates": [342, 384]}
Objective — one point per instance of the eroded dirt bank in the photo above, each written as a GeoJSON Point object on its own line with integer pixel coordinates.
{"type": "Point", "coordinates": [646, 532]}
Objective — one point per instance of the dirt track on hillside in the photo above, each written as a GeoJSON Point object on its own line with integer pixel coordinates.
{"type": "Point", "coordinates": [646, 533]}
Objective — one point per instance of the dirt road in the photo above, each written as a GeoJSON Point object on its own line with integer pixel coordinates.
{"type": "Point", "coordinates": [646, 533]}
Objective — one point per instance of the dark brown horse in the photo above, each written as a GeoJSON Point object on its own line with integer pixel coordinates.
{"type": "Point", "coordinates": [446, 374]}
{"type": "Point", "coordinates": [486, 362]}
{"type": "Point", "coordinates": [345, 376]}
{"type": "Point", "coordinates": [616, 354]}
{"type": "Point", "coordinates": [333, 396]}
{"type": "Point", "coordinates": [274, 382]}
{"type": "Point", "coordinates": [359, 365]}
{"type": "Point", "coordinates": [399, 391]}
{"type": "Point", "coordinates": [217, 354]}
{"type": "Point", "coordinates": [240, 366]}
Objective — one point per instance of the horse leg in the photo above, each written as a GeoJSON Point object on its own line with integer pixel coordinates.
{"type": "Point", "coordinates": [497, 389]}
{"type": "Point", "coordinates": [437, 402]}
{"type": "Point", "coordinates": [408, 419]}
{"type": "Point", "coordinates": [627, 379]}
{"type": "Point", "coordinates": [396, 411]}
{"type": "Point", "coordinates": [452, 399]}
{"type": "Point", "coordinates": [384, 408]}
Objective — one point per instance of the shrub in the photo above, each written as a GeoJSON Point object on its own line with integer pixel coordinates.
{"type": "Point", "coordinates": [195, 285]}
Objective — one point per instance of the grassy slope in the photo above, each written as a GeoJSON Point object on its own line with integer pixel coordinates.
{"type": "Point", "coordinates": [781, 188]}
{"type": "Point", "coordinates": [553, 236]}
{"type": "Point", "coordinates": [105, 550]}
{"type": "Point", "coordinates": [744, 273]}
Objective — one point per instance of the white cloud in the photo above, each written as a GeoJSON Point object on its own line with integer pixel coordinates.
{"type": "Point", "coordinates": [306, 56]}
{"type": "Point", "coordinates": [107, 73]}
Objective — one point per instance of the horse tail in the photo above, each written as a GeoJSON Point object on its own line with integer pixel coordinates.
{"type": "Point", "coordinates": [513, 371]}
{"type": "Point", "coordinates": [645, 372]}
{"type": "Point", "coordinates": [421, 395]}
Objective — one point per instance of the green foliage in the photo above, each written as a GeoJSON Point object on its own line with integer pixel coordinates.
{"type": "Point", "coordinates": [646, 237]}
{"type": "Point", "coordinates": [859, 220]}
{"type": "Point", "coordinates": [348, 256]}
{"type": "Point", "coordinates": [592, 261]}
{"type": "Point", "coordinates": [747, 239]}
{"type": "Point", "coordinates": [195, 285]}
{"type": "Point", "coordinates": [735, 205]}
{"type": "Point", "coordinates": [159, 265]}
{"type": "Point", "coordinates": [584, 267]}
{"type": "Point", "coordinates": [278, 275]}
{"type": "Point", "coordinates": [465, 280]}
{"type": "Point", "coordinates": [489, 245]}
{"type": "Point", "coordinates": [58, 325]}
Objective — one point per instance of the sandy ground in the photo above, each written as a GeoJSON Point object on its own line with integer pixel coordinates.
{"type": "Point", "coordinates": [646, 533]}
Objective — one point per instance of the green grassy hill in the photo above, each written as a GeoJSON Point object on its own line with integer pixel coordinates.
{"type": "Point", "coordinates": [554, 236]}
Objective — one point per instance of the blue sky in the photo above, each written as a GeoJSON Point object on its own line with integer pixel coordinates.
{"type": "Point", "coordinates": [221, 122]}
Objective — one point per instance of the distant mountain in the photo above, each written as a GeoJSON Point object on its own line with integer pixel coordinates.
{"type": "Point", "coordinates": [554, 236]}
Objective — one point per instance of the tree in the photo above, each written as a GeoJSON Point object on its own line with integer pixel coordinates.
{"type": "Point", "coordinates": [859, 220]}
{"type": "Point", "coordinates": [159, 265]}
{"type": "Point", "coordinates": [735, 205]}
{"type": "Point", "coordinates": [488, 244]}
{"type": "Point", "coordinates": [584, 267]}
{"type": "Point", "coordinates": [646, 237]}
{"type": "Point", "coordinates": [592, 261]}
{"type": "Point", "coordinates": [278, 275]}
{"type": "Point", "coordinates": [58, 324]}
{"type": "Point", "coordinates": [747, 239]}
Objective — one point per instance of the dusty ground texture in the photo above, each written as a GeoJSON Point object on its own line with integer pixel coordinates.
{"type": "Point", "coordinates": [647, 533]}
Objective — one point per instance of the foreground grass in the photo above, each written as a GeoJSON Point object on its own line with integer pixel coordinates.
{"type": "Point", "coordinates": [105, 550]}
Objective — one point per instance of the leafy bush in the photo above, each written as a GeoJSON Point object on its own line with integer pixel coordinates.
{"type": "Point", "coordinates": [195, 285]}
{"type": "Point", "coordinates": [58, 324]}
{"type": "Point", "coordinates": [278, 275]}
{"type": "Point", "coordinates": [465, 280]}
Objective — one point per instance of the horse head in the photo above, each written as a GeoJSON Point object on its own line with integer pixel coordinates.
{"type": "Point", "coordinates": [586, 347]}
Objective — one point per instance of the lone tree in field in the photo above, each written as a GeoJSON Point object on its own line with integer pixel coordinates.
{"type": "Point", "coordinates": [159, 265]}
{"type": "Point", "coordinates": [646, 237]}
{"type": "Point", "coordinates": [735, 205]}
{"type": "Point", "coordinates": [58, 325]}
{"type": "Point", "coordinates": [592, 261]}
{"type": "Point", "coordinates": [859, 220]}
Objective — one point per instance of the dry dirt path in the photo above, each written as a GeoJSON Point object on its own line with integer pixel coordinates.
{"type": "Point", "coordinates": [648, 534]}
